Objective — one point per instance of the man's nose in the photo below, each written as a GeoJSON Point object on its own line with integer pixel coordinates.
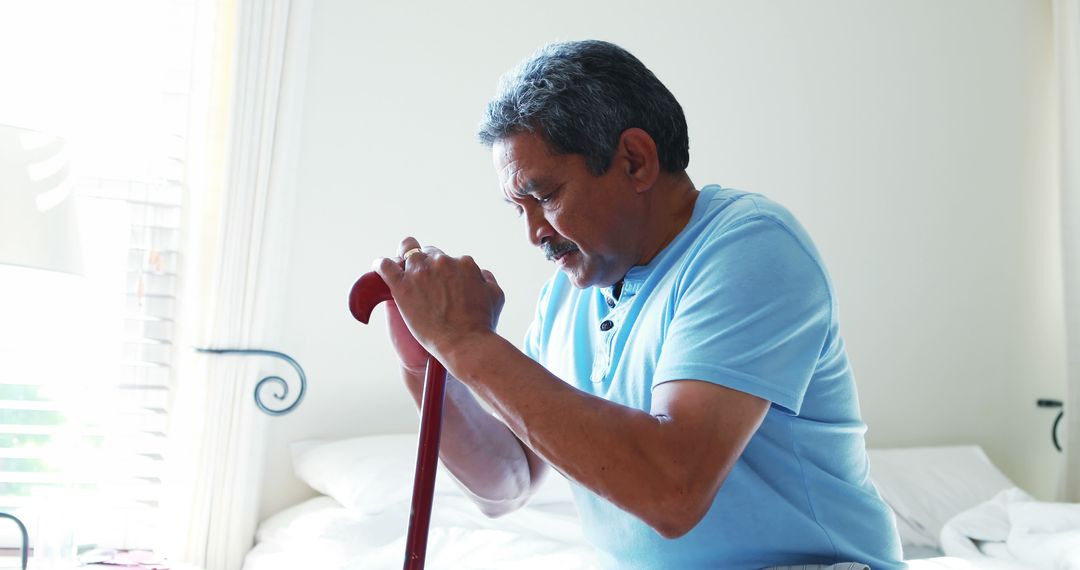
{"type": "Point", "coordinates": [539, 228]}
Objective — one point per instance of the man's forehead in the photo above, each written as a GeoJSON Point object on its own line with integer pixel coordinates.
{"type": "Point", "coordinates": [521, 184]}
{"type": "Point", "coordinates": [522, 167]}
{"type": "Point", "coordinates": [526, 148]}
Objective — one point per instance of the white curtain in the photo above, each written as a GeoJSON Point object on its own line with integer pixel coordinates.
{"type": "Point", "coordinates": [1067, 42]}
{"type": "Point", "coordinates": [237, 225]}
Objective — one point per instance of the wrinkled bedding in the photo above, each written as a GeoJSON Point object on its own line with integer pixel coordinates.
{"type": "Point", "coordinates": [1013, 527]}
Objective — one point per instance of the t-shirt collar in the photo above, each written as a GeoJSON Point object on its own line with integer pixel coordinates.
{"type": "Point", "coordinates": [637, 274]}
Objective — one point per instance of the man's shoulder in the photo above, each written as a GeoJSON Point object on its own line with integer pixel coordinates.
{"type": "Point", "coordinates": [728, 208]}
{"type": "Point", "coordinates": [743, 237]}
{"type": "Point", "coordinates": [731, 216]}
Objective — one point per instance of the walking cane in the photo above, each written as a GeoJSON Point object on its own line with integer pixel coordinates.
{"type": "Point", "coordinates": [368, 291]}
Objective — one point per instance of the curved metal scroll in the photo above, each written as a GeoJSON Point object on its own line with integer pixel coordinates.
{"type": "Point", "coordinates": [25, 537]}
{"type": "Point", "coordinates": [1047, 403]}
{"type": "Point", "coordinates": [270, 379]}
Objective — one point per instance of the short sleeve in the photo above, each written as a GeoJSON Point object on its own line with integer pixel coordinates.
{"type": "Point", "coordinates": [751, 311]}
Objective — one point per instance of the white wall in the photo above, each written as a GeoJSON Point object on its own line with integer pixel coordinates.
{"type": "Point", "coordinates": [914, 139]}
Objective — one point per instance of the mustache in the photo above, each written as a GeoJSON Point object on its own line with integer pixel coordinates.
{"type": "Point", "coordinates": [553, 250]}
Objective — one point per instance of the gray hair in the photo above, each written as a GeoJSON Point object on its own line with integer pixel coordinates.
{"type": "Point", "coordinates": [581, 96]}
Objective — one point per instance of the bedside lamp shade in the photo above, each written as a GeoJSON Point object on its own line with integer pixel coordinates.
{"type": "Point", "coordinates": [38, 224]}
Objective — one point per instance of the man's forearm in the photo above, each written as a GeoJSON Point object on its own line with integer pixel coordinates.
{"type": "Point", "coordinates": [479, 450]}
{"type": "Point", "coordinates": [563, 425]}
{"type": "Point", "coordinates": [663, 469]}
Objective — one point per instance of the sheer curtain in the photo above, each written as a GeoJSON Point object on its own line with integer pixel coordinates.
{"type": "Point", "coordinates": [1067, 40]}
{"type": "Point", "coordinates": [239, 180]}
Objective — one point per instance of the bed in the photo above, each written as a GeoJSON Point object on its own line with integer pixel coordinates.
{"type": "Point", "coordinates": [358, 520]}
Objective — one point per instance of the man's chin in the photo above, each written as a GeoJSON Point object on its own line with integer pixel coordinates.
{"type": "Point", "coordinates": [576, 281]}
{"type": "Point", "coordinates": [583, 279]}
{"type": "Point", "coordinates": [581, 274]}
{"type": "Point", "coordinates": [578, 276]}
{"type": "Point", "coordinates": [570, 264]}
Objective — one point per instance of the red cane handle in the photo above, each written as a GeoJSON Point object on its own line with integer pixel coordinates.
{"type": "Point", "coordinates": [368, 291]}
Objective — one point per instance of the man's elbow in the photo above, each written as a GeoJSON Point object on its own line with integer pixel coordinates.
{"type": "Point", "coordinates": [675, 525]}
{"type": "Point", "coordinates": [501, 499]}
{"type": "Point", "coordinates": [496, 509]}
{"type": "Point", "coordinates": [678, 514]}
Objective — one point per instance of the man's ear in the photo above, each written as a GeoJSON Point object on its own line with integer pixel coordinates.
{"type": "Point", "coordinates": [639, 159]}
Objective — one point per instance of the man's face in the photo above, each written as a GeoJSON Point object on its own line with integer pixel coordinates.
{"type": "Point", "coordinates": [582, 222]}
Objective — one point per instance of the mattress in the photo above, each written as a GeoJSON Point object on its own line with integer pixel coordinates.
{"type": "Point", "coordinates": [360, 519]}
{"type": "Point", "coordinates": [320, 533]}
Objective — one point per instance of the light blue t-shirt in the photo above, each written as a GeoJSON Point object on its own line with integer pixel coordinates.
{"type": "Point", "coordinates": [740, 298]}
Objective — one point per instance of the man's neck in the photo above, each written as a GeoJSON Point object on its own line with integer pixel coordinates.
{"type": "Point", "coordinates": [670, 209]}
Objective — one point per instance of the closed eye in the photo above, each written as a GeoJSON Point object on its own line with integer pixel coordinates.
{"type": "Point", "coordinates": [549, 197]}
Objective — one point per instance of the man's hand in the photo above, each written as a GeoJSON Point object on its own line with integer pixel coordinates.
{"type": "Point", "coordinates": [439, 300]}
{"type": "Point", "coordinates": [439, 295]}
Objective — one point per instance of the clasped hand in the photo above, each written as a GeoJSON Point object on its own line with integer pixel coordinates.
{"type": "Point", "coordinates": [440, 302]}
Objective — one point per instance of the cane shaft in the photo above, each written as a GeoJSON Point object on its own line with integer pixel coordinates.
{"type": "Point", "coordinates": [427, 462]}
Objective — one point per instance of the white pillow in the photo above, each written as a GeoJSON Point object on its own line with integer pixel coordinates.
{"type": "Point", "coordinates": [369, 474]}
{"type": "Point", "coordinates": [927, 486]}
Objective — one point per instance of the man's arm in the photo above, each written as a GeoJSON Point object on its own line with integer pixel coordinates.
{"type": "Point", "coordinates": [485, 457]}
{"type": "Point", "coordinates": [498, 472]}
{"type": "Point", "coordinates": [664, 466]}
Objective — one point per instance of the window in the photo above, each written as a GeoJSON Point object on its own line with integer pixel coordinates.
{"type": "Point", "coordinates": [85, 361]}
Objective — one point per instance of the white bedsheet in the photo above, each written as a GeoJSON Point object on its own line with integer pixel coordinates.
{"type": "Point", "coordinates": [1016, 528]}
{"type": "Point", "coordinates": [320, 533]}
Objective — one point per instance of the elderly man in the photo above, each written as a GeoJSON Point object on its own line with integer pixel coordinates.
{"type": "Point", "coordinates": [684, 370]}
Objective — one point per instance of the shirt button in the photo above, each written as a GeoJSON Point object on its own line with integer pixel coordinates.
{"type": "Point", "coordinates": [606, 325]}
{"type": "Point", "coordinates": [611, 303]}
